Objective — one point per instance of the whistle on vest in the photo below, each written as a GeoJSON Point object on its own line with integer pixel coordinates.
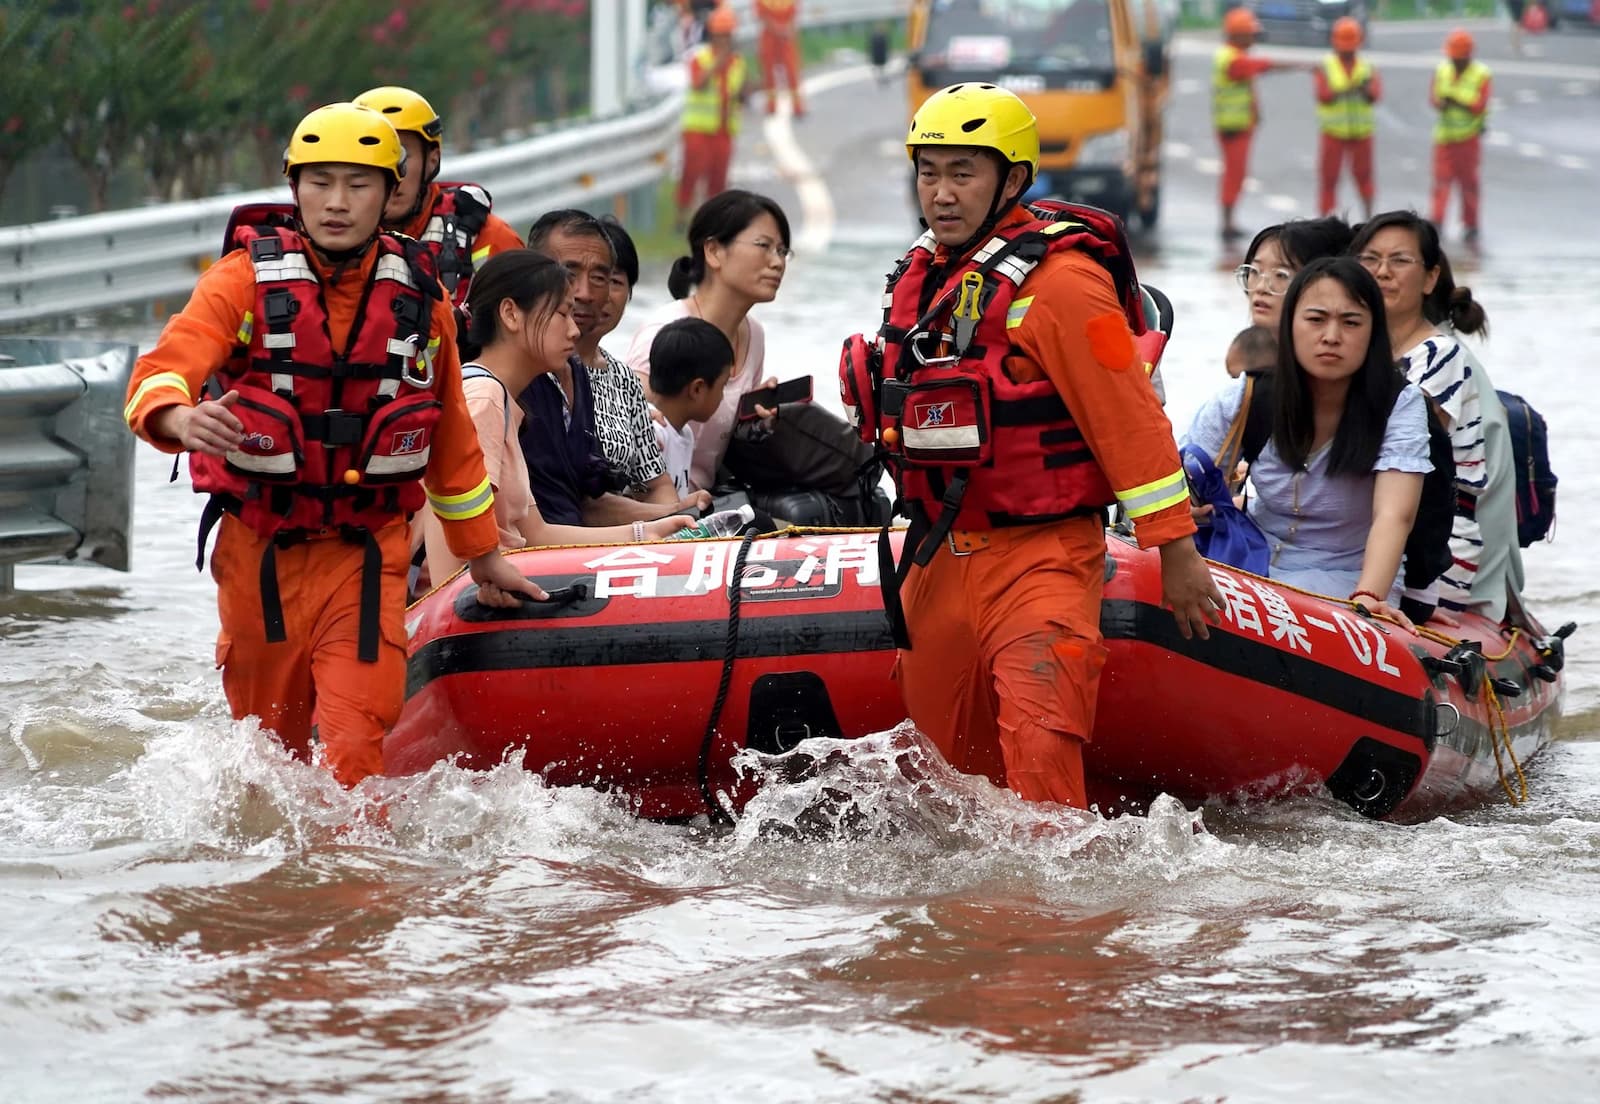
{"type": "Point", "coordinates": [968, 312]}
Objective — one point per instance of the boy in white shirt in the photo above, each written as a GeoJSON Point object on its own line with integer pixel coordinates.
{"type": "Point", "coordinates": [690, 362]}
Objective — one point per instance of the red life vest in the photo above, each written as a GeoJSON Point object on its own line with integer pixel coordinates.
{"type": "Point", "coordinates": [331, 439]}
{"type": "Point", "coordinates": [451, 233]}
{"type": "Point", "coordinates": [933, 391]}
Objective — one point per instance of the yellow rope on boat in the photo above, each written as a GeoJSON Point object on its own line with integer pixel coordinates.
{"type": "Point", "coordinates": [1500, 732]}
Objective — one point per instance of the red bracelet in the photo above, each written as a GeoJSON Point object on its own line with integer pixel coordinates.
{"type": "Point", "coordinates": [1365, 593]}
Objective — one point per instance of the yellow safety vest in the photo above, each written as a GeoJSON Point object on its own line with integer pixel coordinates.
{"type": "Point", "coordinates": [1233, 102]}
{"type": "Point", "coordinates": [1457, 122]}
{"type": "Point", "coordinates": [1350, 115]}
{"type": "Point", "coordinates": [703, 108]}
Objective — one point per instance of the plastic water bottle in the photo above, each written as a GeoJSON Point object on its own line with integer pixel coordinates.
{"type": "Point", "coordinates": [723, 523]}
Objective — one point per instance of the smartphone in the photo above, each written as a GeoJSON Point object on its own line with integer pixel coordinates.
{"type": "Point", "coordinates": [789, 391]}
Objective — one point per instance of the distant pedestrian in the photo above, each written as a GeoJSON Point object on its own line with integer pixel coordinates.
{"type": "Point", "coordinates": [878, 51]}
{"type": "Point", "coordinates": [1233, 105]}
{"type": "Point", "coordinates": [712, 113]}
{"type": "Point", "coordinates": [1460, 95]}
{"type": "Point", "coordinates": [1347, 89]}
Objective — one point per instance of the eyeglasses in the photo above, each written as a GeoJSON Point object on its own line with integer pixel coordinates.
{"type": "Point", "coordinates": [1275, 282]}
{"type": "Point", "coordinates": [1397, 262]}
{"type": "Point", "coordinates": [782, 252]}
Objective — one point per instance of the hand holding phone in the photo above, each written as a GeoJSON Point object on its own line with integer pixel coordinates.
{"type": "Point", "coordinates": [789, 391]}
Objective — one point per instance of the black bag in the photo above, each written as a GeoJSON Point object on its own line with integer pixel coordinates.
{"type": "Point", "coordinates": [809, 449]}
{"type": "Point", "coordinates": [1536, 483]}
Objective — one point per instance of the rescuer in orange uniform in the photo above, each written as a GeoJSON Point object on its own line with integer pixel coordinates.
{"type": "Point", "coordinates": [780, 46]}
{"type": "Point", "coordinates": [711, 113]}
{"type": "Point", "coordinates": [1007, 388]}
{"type": "Point", "coordinates": [454, 220]}
{"type": "Point", "coordinates": [1347, 88]}
{"type": "Point", "coordinates": [1460, 94]}
{"type": "Point", "coordinates": [1234, 113]}
{"type": "Point", "coordinates": [315, 441]}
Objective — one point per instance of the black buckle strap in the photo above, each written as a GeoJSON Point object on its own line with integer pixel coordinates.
{"type": "Point", "coordinates": [371, 587]}
{"type": "Point", "coordinates": [922, 542]}
{"type": "Point", "coordinates": [335, 428]}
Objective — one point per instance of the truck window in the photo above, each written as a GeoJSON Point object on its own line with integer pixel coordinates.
{"type": "Point", "coordinates": [972, 39]}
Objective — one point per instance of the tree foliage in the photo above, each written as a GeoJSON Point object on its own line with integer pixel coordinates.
{"type": "Point", "coordinates": [192, 95]}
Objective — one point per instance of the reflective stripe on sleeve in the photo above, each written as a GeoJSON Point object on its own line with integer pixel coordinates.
{"type": "Point", "coordinates": [156, 383]}
{"type": "Point", "coordinates": [479, 254]}
{"type": "Point", "coordinates": [1148, 498]}
{"type": "Point", "coordinates": [246, 328]}
{"type": "Point", "coordinates": [463, 507]}
{"type": "Point", "coordinates": [1017, 310]}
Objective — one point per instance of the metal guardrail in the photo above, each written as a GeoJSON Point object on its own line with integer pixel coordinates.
{"type": "Point", "coordinates": [66, 456]}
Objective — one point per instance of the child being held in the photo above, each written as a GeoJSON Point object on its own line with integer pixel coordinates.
{"type": "Point", "coordinates": [1254, 352]}
{"type": "Point", "coordinates": [690, 362]}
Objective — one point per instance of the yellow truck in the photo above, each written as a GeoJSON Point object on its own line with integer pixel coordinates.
{"type": "Point", "coordinates": [1094, 72]}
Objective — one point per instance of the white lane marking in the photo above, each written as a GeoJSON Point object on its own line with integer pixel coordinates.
{"type": "Point", "coordinates": [1526, 95]}
{"type": "Point", "coordinates": [1391, 120]}
{"type": "Point", "coordinates": [1409, 164]}
{"type": "Point", "coordinates": [1568, 161]}
{"type": "Point", "coordinates": [1209, 165]}
{"type": "Point", "coordinates": [1252, 185]}
{"type": "Point", "coordinates": [1287, 204]}
{"type": "Point", "coordinates": [1530, 149]}
{"type": "Point", "coordinates": [1577, 88]}
{"type": "Point", "coordinates": [1177, 149]}
{"type": "Point", "coordinates": [1427, 60]}
{"type": "Point", "coordinates": [1499, 138]}
{"type": "Point", "coordinates": [1188, 86]}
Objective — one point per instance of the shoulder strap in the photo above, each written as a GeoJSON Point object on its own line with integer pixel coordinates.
{"type": "Point", "coordinates": [1236, 445]}
{"type": "Point", "coordinates": [478, 371]}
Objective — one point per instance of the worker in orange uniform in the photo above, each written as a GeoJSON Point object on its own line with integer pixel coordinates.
{"type": "Point", "coordinates": [455, 220]}
{"type": "Point", "coordinates": [313, 379]}
{"type": "Point", "coordinates": [1006, 387]}
{"type": "Point", "coordinates": [1234, 113]}
{"type": "Point", "coordinates": [1460, 95]}
{"type": "Point", "coordinates": [780, 47]}
{"type": "Point", "coordinates": [1347, 88]}
{"type": "Point", "coordinates": [711, 113]}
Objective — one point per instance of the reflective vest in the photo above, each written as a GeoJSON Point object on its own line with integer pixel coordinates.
{"type": "Point", "coordinates": [933, 392]}
{"type": "Point", "coordinates": [715, 108]}
{"type": "Point", "coordinates": [1350, 113]}
{"type": "Point", "coordinates": [331, 439]}
{"type": "Point", "coordinates": [1233, 102]}
{"type": "Point", "coordinates": [451, 234]}
{"type": "Point", "coordinates": [1457, 122]}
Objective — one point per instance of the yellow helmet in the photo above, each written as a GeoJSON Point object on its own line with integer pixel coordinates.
{"type": "Point", "coordinates": [346, 134]}
{"type": "Point", "coordinates": [405, 110]}
{"type": "Point", "coordinates": [981, 115]}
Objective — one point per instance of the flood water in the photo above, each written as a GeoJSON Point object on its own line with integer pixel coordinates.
{"type": "Point", "coordinates": [186, 914]}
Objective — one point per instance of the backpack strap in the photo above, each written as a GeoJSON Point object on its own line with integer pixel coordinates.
{"type": "Point", "coordinates": [1251, 428]}
{"type": "Point", "coordinates": [478, 371]}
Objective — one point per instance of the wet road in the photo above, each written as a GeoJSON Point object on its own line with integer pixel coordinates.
{"type": "Point", "coordinates": [185, 914]}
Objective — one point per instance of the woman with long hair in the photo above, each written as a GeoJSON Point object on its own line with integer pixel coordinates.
{"type": "Point", "coordinates": [738, 253]}
{"type": "Point", "coordinates": [1278, 252]}
{"type": "Point", "coordinates": [1426, 310]}
{"type": "Point", "coordinates": [518, 326]}
{"type": "Point", "coordinates": [1338, 481]}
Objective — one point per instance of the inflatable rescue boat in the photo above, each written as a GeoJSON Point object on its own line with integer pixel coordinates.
{"type": "Point", "coordinates": [648, 670]}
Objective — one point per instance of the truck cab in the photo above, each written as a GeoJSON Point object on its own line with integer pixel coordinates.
{"type": "Point", "coordinates": [1093, 72]}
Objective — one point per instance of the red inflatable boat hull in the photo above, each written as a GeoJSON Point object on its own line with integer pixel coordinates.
{"type": "Point", "coordinates": [614, 686]}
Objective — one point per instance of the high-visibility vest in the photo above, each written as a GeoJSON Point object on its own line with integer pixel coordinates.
{"type": "Point", "coordinates": [1350, 115]}
{"type": "Point", "coordinates": [715, 108]}
{"type": "Point", "coordinates": [1233, 102]}
{"type": "Point", "coordinates": [1457, 122]}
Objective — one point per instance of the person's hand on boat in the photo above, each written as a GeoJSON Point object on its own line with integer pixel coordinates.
{"type": "Point", "coordinates": [1393, 613]}
{"type": "Point", "coordinates": [500, 584]}
{"type": "Point", "coordinates": [1188, 589]}
{"type": "Point", "coordinates": [210, 427]}
{"type": "Point", "coordinates": [1443, 620]}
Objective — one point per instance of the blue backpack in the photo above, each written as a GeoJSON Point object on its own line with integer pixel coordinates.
{"type": "Point", "coordinates": [1536, 483]}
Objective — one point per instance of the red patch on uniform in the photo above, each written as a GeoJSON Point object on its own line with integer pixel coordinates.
{"type": "Point", "coordinates": [1110, 342]}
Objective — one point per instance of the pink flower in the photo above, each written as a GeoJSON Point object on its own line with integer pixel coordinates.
{"type": "Point", "coordinates": [498, 39]}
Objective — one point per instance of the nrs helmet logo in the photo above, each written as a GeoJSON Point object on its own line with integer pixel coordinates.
{"type": "Point", "coordinates": [259, 442]}
{"type": "Point", "coordinates": [936, 135]}
{"type": "Point", "coordinates": [410, 440]}
{"type": "Point", "coordinates": [935, 414]}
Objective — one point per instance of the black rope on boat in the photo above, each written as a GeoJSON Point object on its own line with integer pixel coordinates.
{"type": "Point", "coordinates": [730, 652]}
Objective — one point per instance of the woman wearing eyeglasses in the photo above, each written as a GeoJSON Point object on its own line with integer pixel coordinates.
{"type": "Point", "coordinates": [1280, 251]}
{"type": "Point", "coordinates": [1425, 311]}
{"type": "Point", "coordinates": [738, 253]}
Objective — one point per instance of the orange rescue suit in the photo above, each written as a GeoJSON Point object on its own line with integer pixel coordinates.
{"type": "Point", "coordinates": [497, 236]}
{"type": "Point", "coordinates": [1005, 668]}
{"type": "Point", "coordinates": [312, 687]}
{"type": "Point", "coordinates": [780, 48]}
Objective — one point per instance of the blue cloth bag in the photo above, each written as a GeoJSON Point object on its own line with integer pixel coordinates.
{"type": "Point", "coordinates": [1232, 538]}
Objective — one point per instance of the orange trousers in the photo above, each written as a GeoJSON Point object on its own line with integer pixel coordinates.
{"type": "Point", "coordinates": [780, 50]}
{"type": "Point", "coordinates": [1330, 162]}
{"type": "Point", "coordinates": [705, 161]}
{"type": "Point", "coordinates": [311, 687]}
{"type": "Point", "coordinates": [1235, 147]}
{"type": "Point", "coordinates": [1456, 163]}
{"type": "Point", "coordinates": [1005, 658]}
